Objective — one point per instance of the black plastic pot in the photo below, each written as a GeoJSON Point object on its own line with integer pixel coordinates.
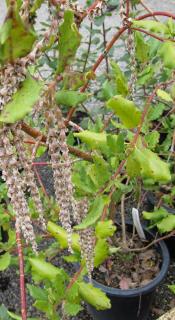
{"type": "Point", "coordinates": [132, 304]}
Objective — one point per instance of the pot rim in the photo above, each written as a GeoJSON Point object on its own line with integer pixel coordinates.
{"type": "Point", "coordinates": [148, 287]}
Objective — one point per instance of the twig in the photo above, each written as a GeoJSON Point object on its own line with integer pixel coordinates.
{"type": "Point", "coordinates": [22, 279]}
{"type": "Point", "coordinates": [40, 181]}
{"type": "Point", "coordinates": [123, 224]}
{"type": "Point", "coordinates": [152, 243]}
{"type": "Point", "coordinates": [157, 13]}
{"type": "Point", "coordinates": [75, 277]}
{"type": "Point", "coordinates": [89, 46]}
{"type": "Point", "coordinates": [36, 133]}
{"type": "Point", "coordinates": [152, 35]}
{"type": "Point", "coordinates": [104, 43]}
{"type": "Point", "coordinates": [148, 9]}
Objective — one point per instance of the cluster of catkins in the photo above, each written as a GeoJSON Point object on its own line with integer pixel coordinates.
{"type": "Point", "coordinates": [64, 190]}
{"type": "Point", "coordinates": [130, 45]}
{"type": "Point", "coordinates": [15, 164]}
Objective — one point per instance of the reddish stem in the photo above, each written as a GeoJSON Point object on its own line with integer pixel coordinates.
{"type": "Point", "coordinates": [156, 13]}
{"type": "Point", "coordinates": [75, 277]}
{"type": "Point", "coordinates": [22, 278]}
{"type": "Point", "coordinates": [152, 35]}
{"type": "Point", "coordinates": [40, 181]}
{"type": "Point", "coordinates": [97, 63]}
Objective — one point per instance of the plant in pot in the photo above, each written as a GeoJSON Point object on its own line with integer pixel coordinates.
{"type": "Point", "coordinates": [114, 161]}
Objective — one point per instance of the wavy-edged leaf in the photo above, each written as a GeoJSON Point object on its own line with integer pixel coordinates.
{"type": "Point", "coordinates": [101, 252]}
{"type": "Point", "coordinates": [155, 216]}
{"type": "Point", "coordinates": [164, 95]}
{"type": "Point", "coordinates": [94, 213]}
{"type": "Point", "coordinates": [126, 110]}
{"type": "Point", "coordinates": [150, 25]}
{"type": "Point", "coordinates": [105, 229]}
{"type": "Point", "coordinates": [94, 296]}
{"type": "Point", "coordinates": [16, 38]}
{"type": "Point", "coordinates": [61, 235]}
{"type": "Point", "coordinates": [70, 98]}
{"type": "Point", "coordinates": [45, 270]}
{"type": "Point", "coordinates": [69, 41]}
{"type": "Point", "coordinates": [5, 261]}
{"type": "Point", "coordinates": [142, 48]}
{"type": "Point", "coordinates": [36, 5]}
{"type": "Point", "coordinates": [147, 164]}
{"type": "Point", "coordinates": [167, 53]}
{"type": "Point", "coordinates": [121, 82]}
{"type": "Point", "coordinates": [167, 224]}
{"type": "Point", "coordinates": [22, 101]}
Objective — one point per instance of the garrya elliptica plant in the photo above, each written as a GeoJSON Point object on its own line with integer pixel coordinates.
{"type": "Point", "coordinates": [116, 148]}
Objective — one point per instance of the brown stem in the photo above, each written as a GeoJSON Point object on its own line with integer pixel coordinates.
{"type": "Point", "coordinates": [97, 63]}
{"type": "Point", "coordinates": [104, 43]}
{"type": "Point", "coordinates": [152, 243]}
{"type": "Point", "coordinates": [36, 133]}
{"type": "Point", "coordinates": [152, 35]}
{"type": "Point", "coordinates": [22, 279]}
{"type": "Point", "coordinates": [123, 224]}
{"type": "Point", "coordinates": [75, 277]}
{"type": "Point", "coordinates": [89, 47]}
{"type": "Point", "coordinates": [157, 13]}
{"type": "Point", "coordinates": [148, 9]}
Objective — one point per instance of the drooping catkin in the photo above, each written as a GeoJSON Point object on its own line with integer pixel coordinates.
{"type": "Point", "coordinates": [28, 174]}
{"type": "Point", "coordinates": [130, 43]}
{"type": "Point", "coordinates": [11, 174]}
{"type": "Point", "coordinates": [61, 165]}
{"type": "Point", "coordinates": [87, 238]}
{"type": "Point", "coordinates": [10, 78]}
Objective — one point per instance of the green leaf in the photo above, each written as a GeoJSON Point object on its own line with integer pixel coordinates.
{"type": "Point", "coordinates": [94, 213]}
{"type": "Point", "coordinates": [37, 293]}
{"type": "Point", "coordinates": [18, 2]}
{"type": "Point", "coordinates": [81, 180]}
{"type": "Point", "coordinates": [172, 288]}
{"type": "Point", "coordinates": [44, 269]}
{"type": "Point", "coordinates": [99, 171]}
{"type": "Point", "coordinates": [94, 296]}
{"type": "Point", "coordinates": [146, 76]}
{"type": "Point", "coordinates": [5, 261]}
{"type": "Point", "coordinates": [152, 139]}
{"type": "Point", "coordinates": [42, 306]}
{"type": "Point", "coordinates": [4, 313]}
{"type": "Point", "coordinates": [150, 25]}
{"type": "Point", "coordinates": [145, 163]}
{"type": "Point", "coordinates": [164, 95]}
{"type": "Point", "coordinates": [105, 229]}
{"type": "Point", "coordinates": [155, 216]}
{"type": "Point", "coordinates": [22, 101]}
{"type": "Point", "coordinates": [121, 82]}
{"type": "Point", "coordinates": [101, 252]}
{"type": "Point", "coordinates": [72, 309]}
{"type": "Point", "coordinates": [142, 48]}
{"type": "Point", "coordinates": [16, 38]}
{"type": "Point", "coordinates": [36, 5]}
{"type": "Point", "coordinates": [70, 98]}
{"type": "Point", "coordinates": [172, 91]}
{"type": "Point", "coordinates": [61, 235]}
{"type": "Point", "coordinates": [167, 53]}
{"type": "Point", "coordinates": [126, 110]}
{"type": "Point", "coordinates": [156, 111]}
{"type": "Point", "coordinates": [94, 139]}
{"type": "Point", "coordinates": [108, 90]}
{"type": "Point", "coordinates": [69, 41]}
{"type": "Point", "coordinates": [14, 316]}
{"type": "Point", "coordinates": [167, 224]}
